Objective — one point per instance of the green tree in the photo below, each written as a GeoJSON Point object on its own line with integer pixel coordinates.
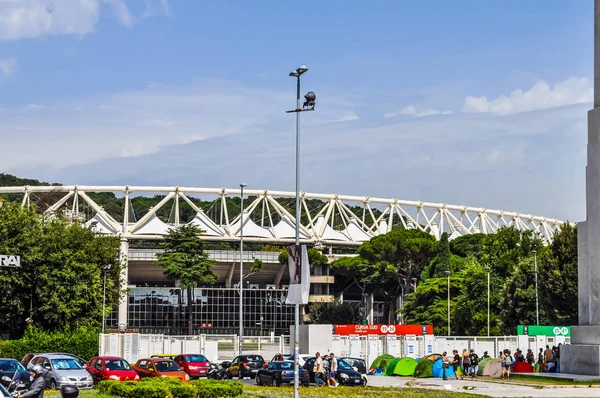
{"type": "Point", "coordinates": [428, 303]}
{"type": "Point", "coordinates": [315, 257]}
{"type": "Point", "coordinates": [517, 303]}
{"type": "Point", "coordinates": [184, 260]}
{"type": "Point", "coordinates": [393, 260]}
{"type": "Point", "coordinates": [503, 250]}
{"type": "Point", "coordinates": [558, 277]}
{"type": "Point", "coordinates": [333, 313]}
{"type": "Point", "coordinates": [61, 272]}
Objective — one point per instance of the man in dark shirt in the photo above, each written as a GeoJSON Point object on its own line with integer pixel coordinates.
{"type": "Point", "coordinates": [474, 363]}
{"type": "Point", "coordinates": [456, 363]}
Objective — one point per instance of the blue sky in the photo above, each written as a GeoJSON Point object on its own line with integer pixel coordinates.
{"type": "Point", "coordinates": [468, 102]}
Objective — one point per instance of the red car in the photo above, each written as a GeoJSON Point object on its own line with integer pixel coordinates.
{"type": "Point", "coordinates": [111, 368]}
{"type": "Point", "coordinates": [195, 365]}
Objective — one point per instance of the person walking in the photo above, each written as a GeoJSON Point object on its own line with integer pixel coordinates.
{"type": "Point", "coordinates": [506, 363]}
{"type": "Point", "coordinates": [333, 370]}
{"type": "Point", "coordinates": [326, 368]}
{"type": "Point", "coordinates": [541, 359]}
{"type": "Point", "coordinates": [474, 363]}
{"type": "Point", "coordinates": [319, 371]}
{"type": "Point", "coordinates": [445, 364]}
{"type": "Point", "coordinates": [548, 359]}
{"type": "Point", "coordinates": [530, 357]}
{"type": "Point", "coordinates": [466, 362]}
{"type": "Point", "coordinates": [455, 363]}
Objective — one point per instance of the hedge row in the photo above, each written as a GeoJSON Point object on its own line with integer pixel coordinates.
{"type": "Point", "coordinates": [82, 342]}
{"type": "Point", "coordinates": [165, 387]}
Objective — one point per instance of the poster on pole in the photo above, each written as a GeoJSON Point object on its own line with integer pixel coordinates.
{"type": "Point", "coordinates": [299, 268]}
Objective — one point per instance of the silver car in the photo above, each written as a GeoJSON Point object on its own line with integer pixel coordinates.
{"type": "Point", "coordinates": [62, 369]}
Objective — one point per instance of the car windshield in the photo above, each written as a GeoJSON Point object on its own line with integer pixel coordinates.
{"type": "Point", "coordinates": [65, 364]}
{"type": "Point", "coordinates": [252, 358]}
{"type": "Point", "coordinates": [10, 366]}
{"type": "Point", "coordinates": [166, 366]}
{"type": "Point", "coordinates": [343, 364]}
{"type": "Point", "coordinates": [196, 358]}
{"type": "Point", "coordinates": [117, 364]}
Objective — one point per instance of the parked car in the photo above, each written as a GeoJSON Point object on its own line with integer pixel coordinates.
{"type": "Point", "coordinates": [159, 367]}
{"type": "Point", "coordinates": [195, 365]}
{"type": "Point", "coordinates": [111, 368]}
{"type": "Point", "coordinates": [357, 364]}
{"type": "Point", "coordinates": [27, 358]}
{"type": "Point", "coordinates": [3, 392]}
{"type": "Point", "coordinates": [11, 369]}
{"type": "Point", "coordinates": [290, 357]}
{"type": "Point", "coordinates": [345, 374]}
{"type": "Point", "coordinates": [246, 366]}
{"type": "Point", "coordinates": [62, 370]}
{"type": "Point", "coordinates": [164, 356]}
{"type": "Point", "coordinates": [281, 372]}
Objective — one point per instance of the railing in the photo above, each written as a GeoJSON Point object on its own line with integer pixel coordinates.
{"type": "Point", "coordinates": [224, 256]}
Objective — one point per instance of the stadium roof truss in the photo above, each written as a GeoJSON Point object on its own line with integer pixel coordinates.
{"type": "Point", "coordinates": [338, 220]}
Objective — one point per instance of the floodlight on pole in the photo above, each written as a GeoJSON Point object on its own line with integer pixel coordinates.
{"type": "Point", "coordinates": [241, 336]}
{"type": "Point", "coordinates": [309, 105]}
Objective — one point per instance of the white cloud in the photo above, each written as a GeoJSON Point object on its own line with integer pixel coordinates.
{"type": "Point", "coordinates": [541, 96]}
{"type": "Point", "coordinates": [412, 111]}
{"type": "Point", "coordinates": [8, 66]}
{"type": "Point", "coordinates": [347, 116]}
{"type": "Point", "coordinates": [21, 19]}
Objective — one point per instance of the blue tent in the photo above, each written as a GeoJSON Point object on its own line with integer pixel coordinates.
{"type": "Point", "coordinates": [437, 369]}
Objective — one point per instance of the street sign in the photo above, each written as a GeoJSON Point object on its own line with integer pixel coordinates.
{"type": "Point", "coordinates": [10, 261]}
{"type": "Point", "coordinates": [532, 330]}
{"type": "Point", "coordinates": [382, 330]}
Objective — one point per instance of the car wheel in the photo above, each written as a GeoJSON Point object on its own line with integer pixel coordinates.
{"type": "Point", "coordinates": [364, 381]}
{"type": "Point", "coordinates": [53, 385]}
{"type": "Point", "coordinates": [258, 383]}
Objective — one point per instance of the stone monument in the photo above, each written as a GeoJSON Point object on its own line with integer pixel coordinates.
{"type": "Point", "coordinates": [582, 356]}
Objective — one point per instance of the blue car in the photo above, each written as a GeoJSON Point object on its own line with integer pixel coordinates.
{"type": "Point", "coordinates": [11, 369]}
{"type": "Point", "coordinates": [281, 372]}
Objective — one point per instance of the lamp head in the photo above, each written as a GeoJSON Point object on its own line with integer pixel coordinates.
{"type": "Point", "coordinates": [311, 100]}
{"type": "Point", "coordinates": [243, 185]}
{"type": "Point", "coordinates": [294, 74]}
{"type": "Point", "coordinates": [534, 251]}
{"type": "Point", "coordinates": [302, 69]}
{"type": "Point", "coordinates": [447, 273]}
{"type": "Point", "coordinates": [487, 269]}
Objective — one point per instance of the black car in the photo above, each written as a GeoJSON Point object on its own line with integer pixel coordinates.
{"type": "Point", "coordinates": [357, 364]}
{"type": "Point", "coordinates": [345, 374]}
{"type": "Point", "coordinates": [281, 372]}
{"type": "Point", "coordinates": [246, 366]}
{"type": "Point", "coordinates": [11, 368]}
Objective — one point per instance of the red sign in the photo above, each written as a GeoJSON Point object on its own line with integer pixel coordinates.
{"type": "Point", "coordinates": [382, 330]}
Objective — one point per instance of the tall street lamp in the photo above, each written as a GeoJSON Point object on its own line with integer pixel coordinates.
{"type": "Point", "coordinates": [448, 275]}
{"type": "Point", "coordinates": [537, 308]}
{"type": "Point", "coordinates": [241, 267]}
{"type": "Point", "coordinates": [309, 105]}
{"type": "Point", "coordinates": [105, 269]}
{"type": "Point", "coordinates": [488, 269]}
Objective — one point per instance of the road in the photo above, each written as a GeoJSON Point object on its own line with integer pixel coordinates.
{"type": "Point", "coordinates": [491, 389]}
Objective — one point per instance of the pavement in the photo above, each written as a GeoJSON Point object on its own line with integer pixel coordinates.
{"type": "Point", "coordinates": [492, 389]}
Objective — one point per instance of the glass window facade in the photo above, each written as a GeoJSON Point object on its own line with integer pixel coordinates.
{"type": "Point", "coordinates": [214, 311]}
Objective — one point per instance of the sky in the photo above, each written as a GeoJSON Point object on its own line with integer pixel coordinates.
{"type": "Point", "coordinates": [465, 102]}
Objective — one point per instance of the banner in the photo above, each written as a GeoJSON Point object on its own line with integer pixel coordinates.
{"type": "Point", "coordinates": [299, 268]}
{"type": "Point", "coordinates": [533, 330]}
{"type": "Point", "coordinates": [382, 330]}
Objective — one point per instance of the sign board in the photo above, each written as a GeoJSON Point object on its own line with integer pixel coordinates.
{"type": "Point", "coordinates": [532, 330]}
{"type": "Point", "coordinates": [10, 261]}
{"type": "Point", "coordinates": [381, 330]}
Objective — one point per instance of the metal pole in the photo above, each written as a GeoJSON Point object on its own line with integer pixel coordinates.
{"type": "Point", "coordinates": [448, 274]}
{"type": "Point", "coordinates": [488, 303]}
{"type": "Point", "coordinates": [103, 301]}
{"type": "Point", "coordinates": [297, 306]}
{"type": "Point", "coordinates": [448, 304]}
{"type": "Point", "coordinates": [241, 332]}
{"type": "Point", "coordinates": [537, 308]}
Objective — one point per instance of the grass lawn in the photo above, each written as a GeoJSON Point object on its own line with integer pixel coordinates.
{"type": "Point", "coordinates": [315, 392]}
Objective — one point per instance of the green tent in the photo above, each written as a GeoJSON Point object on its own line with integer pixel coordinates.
{"type": "Point", "coordinates": [401, 367]}
{"type": "Point", "coordinates": [424, 368]}
{"type": "Point", "coordinates": [382, 361]}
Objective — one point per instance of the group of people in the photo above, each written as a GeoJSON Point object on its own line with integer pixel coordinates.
{"type": "Point", "coordinates": [468, 362]}
{"type": "Point", "coordinates": [324, 369]}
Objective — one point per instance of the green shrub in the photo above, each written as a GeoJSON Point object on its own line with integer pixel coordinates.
{"type": "Point", "coordinates": [148, 390]}
{"type": "Point", "coordinates": [218, 388]}
{"type": "Point", "coordinates": [82, 342]}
